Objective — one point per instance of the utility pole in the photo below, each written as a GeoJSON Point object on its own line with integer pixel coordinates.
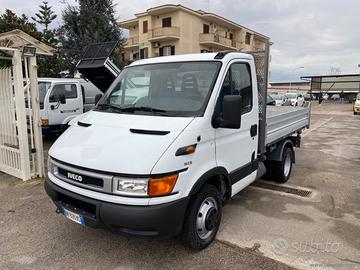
{"type": "Point", "coordinates": [293, 72]}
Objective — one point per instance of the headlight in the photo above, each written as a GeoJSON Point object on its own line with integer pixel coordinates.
{"type": "Point", "coordinates": [51, 167]}
{"type": "Point", "coordinates": [128, 186]}
{"type": "Point", "coordinates": [152, 187]}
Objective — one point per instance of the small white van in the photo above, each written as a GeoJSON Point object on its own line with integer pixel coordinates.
{"type": "Point", "coordinates": [62, 99]}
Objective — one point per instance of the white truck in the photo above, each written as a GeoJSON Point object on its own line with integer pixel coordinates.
{"type": "Point", "coordinates": [62, 99]}
{"type": "Point", "coordinates": [162, 158]}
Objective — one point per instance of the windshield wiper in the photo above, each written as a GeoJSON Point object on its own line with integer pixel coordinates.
{"type": "Point", "coordinates": [145, 109]}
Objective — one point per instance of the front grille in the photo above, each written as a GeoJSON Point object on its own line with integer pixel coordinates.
{"type": "Point", "coordinates": [87, 180]}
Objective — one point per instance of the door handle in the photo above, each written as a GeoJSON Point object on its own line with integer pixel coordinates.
{"type": "Point", "coordinates": [253, 130]}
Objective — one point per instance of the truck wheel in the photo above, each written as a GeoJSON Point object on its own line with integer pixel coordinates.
{"type": "Point", "coordinates": [281, 170]}
{"type": "Point", "coordinates": [202, 218]}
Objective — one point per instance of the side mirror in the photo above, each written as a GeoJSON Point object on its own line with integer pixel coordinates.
{"type": "Point", "coordinates": [62, 99]}
{"type": "Point", "coordinates": [231, 117]}
{"type": "Point", "coordinates": [97, 98]}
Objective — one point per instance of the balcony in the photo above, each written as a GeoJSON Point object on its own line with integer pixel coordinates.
{"type": "Point", "coordinates": [217, 41]}
{"type": "Point", "coordinates": [132, 42]}
{"type": "Point", "coordinates": [164, 34]}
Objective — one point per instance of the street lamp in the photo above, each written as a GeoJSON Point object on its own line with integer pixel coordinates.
{"type": "Point", "coordinates": [293, 72]}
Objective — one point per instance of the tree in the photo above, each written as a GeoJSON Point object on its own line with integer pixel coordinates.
{"type": "Point", "coordinates": [49, 66]}
{"type": "Point", "coordinates": [45, 16]}
{"type": "Point", "coordinates": [10, 21]}
{"type": "Point", "coordinates": [91, 21]}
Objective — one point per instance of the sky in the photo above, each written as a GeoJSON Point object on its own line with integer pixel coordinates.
{"type": "Point", "coordinates": [310, 36]}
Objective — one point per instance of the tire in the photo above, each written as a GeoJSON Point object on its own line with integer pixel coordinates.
{"type": "Point", "coordinates": [281, 170]}
{"type": "Point", "coordinates": [204, 211]}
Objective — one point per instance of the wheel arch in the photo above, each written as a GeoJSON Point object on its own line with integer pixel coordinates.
{"type": "Point", "coordinates": [219, 177]}
{"type": "Point", "coordinates": [277, 153]}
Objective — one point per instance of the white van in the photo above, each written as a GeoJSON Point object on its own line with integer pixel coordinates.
{"type": "Point", "coordinates": [170, 142]}
{"type": "Point", "coordinates": [62, 99]}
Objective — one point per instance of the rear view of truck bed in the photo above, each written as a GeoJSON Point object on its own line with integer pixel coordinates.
{"type": "Point", "coordinates": [283, 121]}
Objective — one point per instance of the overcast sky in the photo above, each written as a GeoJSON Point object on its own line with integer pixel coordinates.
{"type": "Point", "coordinates": [314, 34]}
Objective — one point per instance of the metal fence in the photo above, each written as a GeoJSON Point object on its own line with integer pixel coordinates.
{"type": "Point", "coordinates": [21, 150]}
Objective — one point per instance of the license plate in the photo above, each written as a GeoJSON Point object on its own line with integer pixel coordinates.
{"type": "Point", "coordinates": [73, 216]}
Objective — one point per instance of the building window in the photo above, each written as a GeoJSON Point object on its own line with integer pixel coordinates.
{"type": "Point", "coordinates": [206, 29]}
{"type": "Point", "coordinates": [231, 36]}
{"type": "Point", "coordinates": [144, 53]}
{"type": "Point", "coordinates": [145, 26]}
{"type": "Point", "coordinates": [166, 22]}
{"type": "Point", "coordinates": [248, 38]}
{"type": "Point", "coordinates": [167, 50]}
{"type": "Point", "coordinates": [205, 51]}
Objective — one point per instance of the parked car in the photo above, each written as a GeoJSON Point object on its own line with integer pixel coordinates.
{"type": "Point", "coordinates": [308, 97]}
{"type": "Point", "coordinates": [281, 100]}
{"type": "Point", "coordinates": [295, 99]}
{"type": "Point", "coordinates": [325, 96]}
{"type": "Point", "coordinates": [357, 104]}
{"type": "Point", "coordinates": [335, 97]}
{"type": "Point", "coordinates": [270, 100]}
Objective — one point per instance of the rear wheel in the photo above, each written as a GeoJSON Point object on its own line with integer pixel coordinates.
{"type": "Point", "coordinates": [281, 170]}
{"type": "Point", "coordinates": [203, 218]}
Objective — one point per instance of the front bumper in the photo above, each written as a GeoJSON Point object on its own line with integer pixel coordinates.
{"type": "Point", "coordinates": [163, 220]}
{"type": "Point", "coordinates": [357, 109]}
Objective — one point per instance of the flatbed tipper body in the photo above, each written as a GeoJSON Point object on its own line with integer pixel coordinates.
{"type": "Point", "coordinates": [282, 121]}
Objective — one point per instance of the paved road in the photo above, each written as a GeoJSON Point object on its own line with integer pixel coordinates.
{"type": "Point", "coordinates": [33, 236]}
{"type": "Point", "coordinates": [321, 232]}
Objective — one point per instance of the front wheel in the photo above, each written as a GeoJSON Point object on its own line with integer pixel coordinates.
{"type": "Point", "coordinates": [203, 218]}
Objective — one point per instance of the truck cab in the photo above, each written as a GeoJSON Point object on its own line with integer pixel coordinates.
{"type": "Point", "coordinates": [169, 143]}
{"type": "Point", "coordinates": [62, 100]}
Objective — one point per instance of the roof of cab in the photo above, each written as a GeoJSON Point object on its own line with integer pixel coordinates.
{"type": "Point", "coordinates": [192, 57]}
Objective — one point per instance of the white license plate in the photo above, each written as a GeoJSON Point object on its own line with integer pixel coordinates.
{"type": "Point", "coordinates": [73, 216]}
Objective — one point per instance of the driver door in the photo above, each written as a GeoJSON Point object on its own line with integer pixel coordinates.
{"type": "Point", "coordinates": [236, 148]}
{"type": "Point", "coordinates": [58, 112]}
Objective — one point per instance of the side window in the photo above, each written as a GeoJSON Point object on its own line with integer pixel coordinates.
{"type": "Point", "coordinates": [238, 82]}
{"type": "Point", "coordinates": [68, 90]}
{"type": "Point", "coordinates": [241, 84]}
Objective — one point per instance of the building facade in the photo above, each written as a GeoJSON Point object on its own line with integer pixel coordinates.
{"type": "Point", "coordinates": [175, 29]}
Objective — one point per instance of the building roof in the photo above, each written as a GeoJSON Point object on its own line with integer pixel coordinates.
{"type": "Point", "coordinates": [331, 76]}
{"type": "Point", "coordinates": [17, 39]}
{"type": "Point", "coordinates": [205, 15]}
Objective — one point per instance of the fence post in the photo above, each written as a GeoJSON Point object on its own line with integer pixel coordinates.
{"type": "Point", "coordinates": [35, 105]}
{"type": "Point", "coordinates": [21, 115]}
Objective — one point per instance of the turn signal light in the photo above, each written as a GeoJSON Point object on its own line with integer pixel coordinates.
{"type": "Point", "coordinates": [162, 185]}
{"type": "Point", "coordinates": [44, 122]}
{"type": "Point", "coordinates": [186, 150]}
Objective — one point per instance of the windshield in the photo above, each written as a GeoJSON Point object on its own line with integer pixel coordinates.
{"type": "Point", "coordinates": [291, 96]}
{"type": "Point", "coordinates": [43, 88]}
{"type": "Point", "coordinates": [278, 97]}
{"type": "Point", "coordinates": [172, 89]}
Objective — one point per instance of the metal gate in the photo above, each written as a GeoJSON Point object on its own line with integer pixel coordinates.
{"type": "Point", "coordinates": [21, 150]}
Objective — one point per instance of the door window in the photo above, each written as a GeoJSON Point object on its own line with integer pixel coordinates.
{"type": "Point", "coordinates": [68, 90]}
{"type": "Point", "coordinates": [238, 82]}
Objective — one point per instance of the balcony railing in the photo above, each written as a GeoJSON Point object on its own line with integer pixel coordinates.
{"type": "Point", "coordinates": [132, 42]}
{"type": "Point", "coordinates": [219, 41]}
{"type": "Point", "coordinates": [165, 33]}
